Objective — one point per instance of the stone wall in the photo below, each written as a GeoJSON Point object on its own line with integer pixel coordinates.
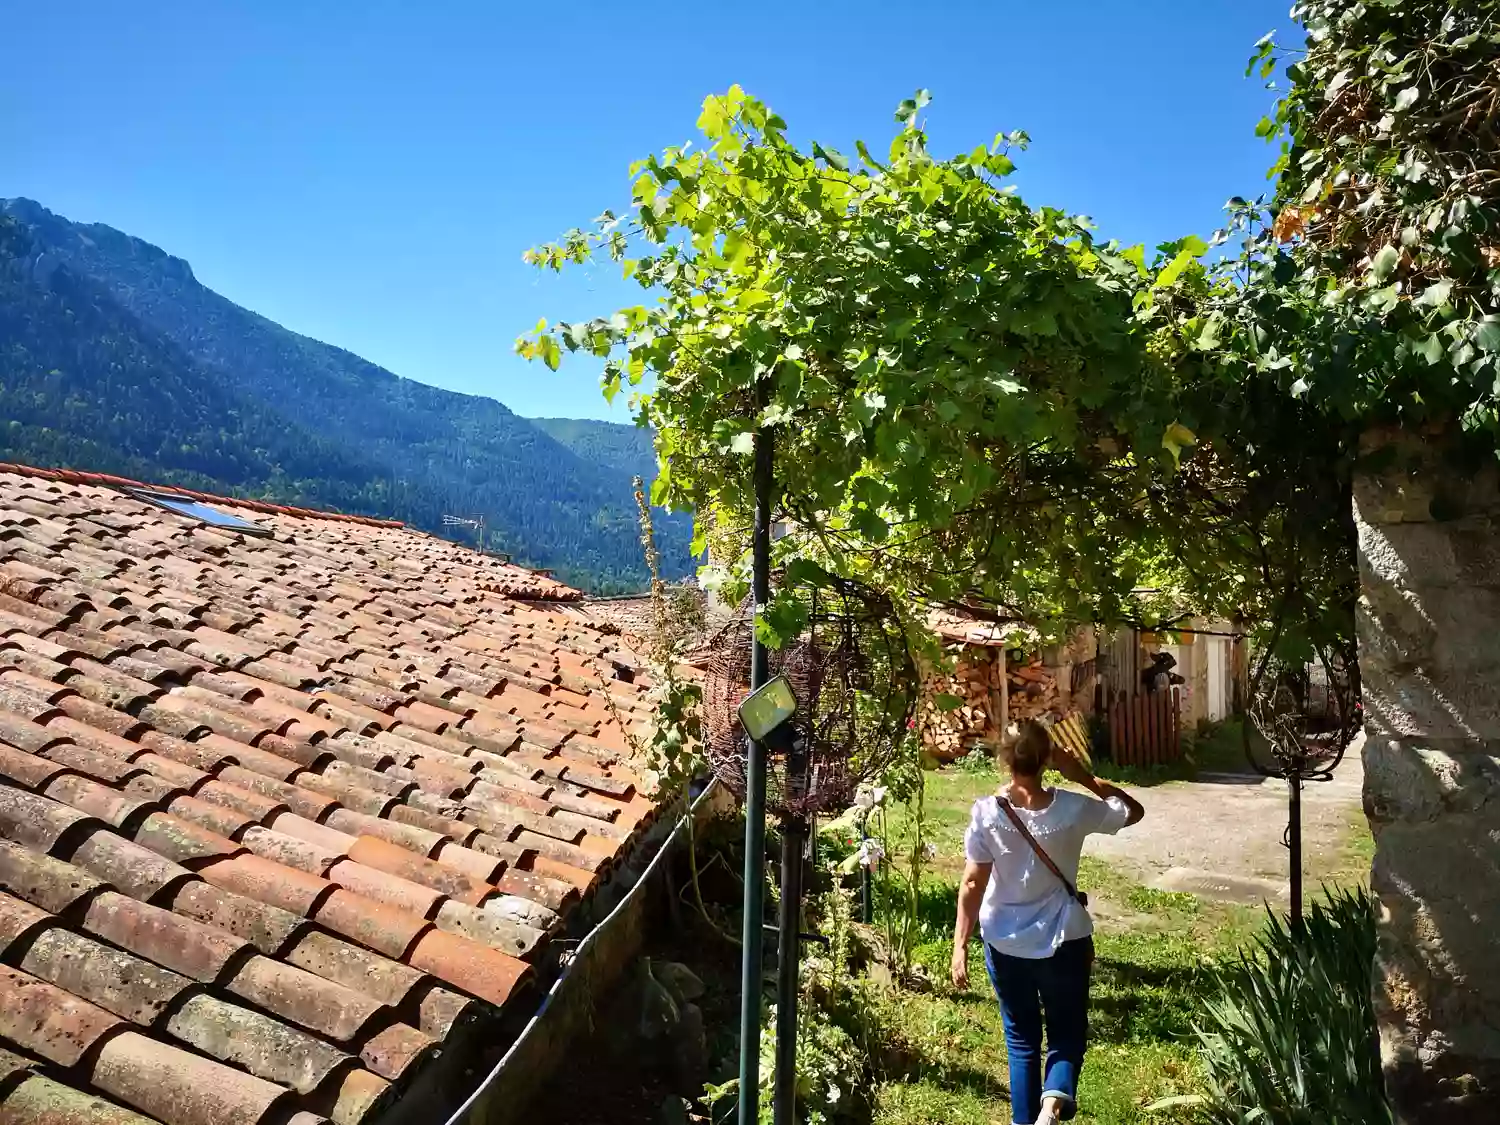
{"type": "Point", "coordinates": [1429, 639]}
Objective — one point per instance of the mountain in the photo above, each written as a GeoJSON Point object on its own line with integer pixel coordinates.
{"type": "Point", "coordinates": [83, 385]}
{"type": "Point", "coordinates": [625, 449]}
{"type": "Point", "coordinates": [113, 356]}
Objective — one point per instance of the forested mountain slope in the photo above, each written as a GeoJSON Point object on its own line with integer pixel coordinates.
{"type": "Point", "coordinates": [113, 356]}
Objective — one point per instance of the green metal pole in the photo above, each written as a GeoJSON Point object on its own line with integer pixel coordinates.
{"type": "Point", "coordinates": [866, 899]}
{"type": "Point", "coordinates": [755, 804]}
{"type": "Point", "coordinates": [794, 831]}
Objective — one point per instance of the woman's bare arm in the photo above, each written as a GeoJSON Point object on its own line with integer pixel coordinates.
{"type": "Point", "coordinates": [1104, 790]}
{"type": "Point", "coordinates": [1075, 771]}
{"type": "Point", "coordinates": [970, 894]}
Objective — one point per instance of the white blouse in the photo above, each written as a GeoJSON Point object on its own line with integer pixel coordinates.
{"type": "Point", "coordinates": [1026, 911]}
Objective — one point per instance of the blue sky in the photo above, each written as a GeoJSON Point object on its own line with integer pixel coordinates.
{"type": "Point", "coordinates": [371, 179]}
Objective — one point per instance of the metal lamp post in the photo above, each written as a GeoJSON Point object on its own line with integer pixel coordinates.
{"type": "Point", "coordinates": [1279, 716]}
{"type": "Point", "coordinates": [755, 801]}
{"type": "Point", "coordinates": [834, 743]}
{"type": "Point", "coordinates": [766, 717]}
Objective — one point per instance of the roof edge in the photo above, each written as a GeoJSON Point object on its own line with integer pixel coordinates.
{"type": "Point", "coordinates": [613, 936]}
{"type": "Point", "coordinates": [564, 594]}
{"type": "Point", "coordinates": [109, 480]}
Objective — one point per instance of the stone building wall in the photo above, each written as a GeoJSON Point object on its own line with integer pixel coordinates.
{"type": "Point", "coordinates": [1429, 639]}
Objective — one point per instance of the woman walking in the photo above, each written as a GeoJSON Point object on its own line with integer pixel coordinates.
{"type": "Point", "coordinates": [1019, 887]}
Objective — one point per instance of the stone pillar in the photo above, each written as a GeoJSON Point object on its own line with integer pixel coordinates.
{"type": "Point", "coordinates": [1429, 646]}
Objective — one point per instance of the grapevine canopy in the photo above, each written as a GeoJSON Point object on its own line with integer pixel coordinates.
{"type": "Point", "coordinates": [1377, 284]}
{"type": "Point", "coordinates": [970, 397]}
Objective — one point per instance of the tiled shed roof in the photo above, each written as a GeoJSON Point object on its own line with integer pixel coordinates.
{"type": "Point", "coordinates": [955, 623]}
{"type": "Point", "coordinates": [279, 817]}
{"type": "Point", "coordinates": [631, 613]}
{"type": "Point", "coordinates": [634, 616]}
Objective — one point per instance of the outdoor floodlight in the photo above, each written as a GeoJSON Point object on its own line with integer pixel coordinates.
{"type": "Point", "coordinates": [768, 708]}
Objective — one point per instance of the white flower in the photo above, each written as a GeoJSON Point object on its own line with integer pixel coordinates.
{"type": "Point", "coordinates": [871, 852]}
{"type": "Point", "coordinates": [869, 798]}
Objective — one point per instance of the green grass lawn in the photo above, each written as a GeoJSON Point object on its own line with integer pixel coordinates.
{"type": "Point", "coordinates": [1150, 971]}
{"type": "Point", "coordinates": [1155, 954]}
{"type": "Point", "coordinates": [1357, 853]}
{"type": "Point", "coordinates": [1154, 949]}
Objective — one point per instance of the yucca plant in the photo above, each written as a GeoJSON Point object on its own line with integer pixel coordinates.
{"type": "Point", "coordinates": [1288, 1035]}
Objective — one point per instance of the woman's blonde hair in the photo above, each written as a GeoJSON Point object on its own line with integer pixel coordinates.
{"type": "Point", "coordinates": [1026, 747]}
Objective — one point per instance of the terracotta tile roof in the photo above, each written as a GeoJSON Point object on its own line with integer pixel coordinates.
{"type": "Point", "coordinates": [634, 616]}
{"type": "Point", "coordinates": [957, 624]}
{"type": "Point", "coordinates": [280, 817]}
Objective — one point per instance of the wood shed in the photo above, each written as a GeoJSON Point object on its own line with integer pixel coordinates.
{"type": "Point", "coordinates": [1000, 674]}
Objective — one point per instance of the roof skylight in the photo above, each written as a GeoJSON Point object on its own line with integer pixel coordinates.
{"type": "Point", "coordinates": [194, 509]}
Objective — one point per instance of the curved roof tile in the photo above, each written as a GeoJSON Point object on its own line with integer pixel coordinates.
{"type": "Point", "coordinates": [280, 817]}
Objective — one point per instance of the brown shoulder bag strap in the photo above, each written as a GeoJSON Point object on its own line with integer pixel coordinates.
{"type": "Point", "coordinates": [1073, 892]}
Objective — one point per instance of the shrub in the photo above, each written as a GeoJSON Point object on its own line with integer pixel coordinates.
{"type": "Point", "coordinates": [977, 762]}
{"type": "Point", "coordinates": [1288, 1035]}
{"type": "Point", "coordinates": [834, 1032]}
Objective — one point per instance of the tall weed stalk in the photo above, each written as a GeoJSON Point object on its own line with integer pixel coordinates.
{"type": "Point", "coordinates": [672, 754]}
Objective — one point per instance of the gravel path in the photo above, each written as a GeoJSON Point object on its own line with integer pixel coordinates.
{"type": "Point", "coordinates": [1232, 825]}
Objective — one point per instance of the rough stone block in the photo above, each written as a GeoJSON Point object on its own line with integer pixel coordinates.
{"type": "Point", "coordinates": [1429, 638]}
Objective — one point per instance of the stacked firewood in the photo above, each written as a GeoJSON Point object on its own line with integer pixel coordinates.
{"type": "Point", "coordinates": [1033, 691]}
{"type": "Point", "coordinates": [950, 734]}
{"type": "Point", "coordinates": [976, 683]}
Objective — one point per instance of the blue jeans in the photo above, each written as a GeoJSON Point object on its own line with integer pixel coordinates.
{"type": "Point", "coordinates": [1029, 988]}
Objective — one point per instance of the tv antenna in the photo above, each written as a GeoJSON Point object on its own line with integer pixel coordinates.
{"type": "Point", "coordinates": [462, 521]}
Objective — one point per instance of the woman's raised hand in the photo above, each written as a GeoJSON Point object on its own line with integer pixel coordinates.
{"type": "Point", "coordinates": [1070, 767]}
